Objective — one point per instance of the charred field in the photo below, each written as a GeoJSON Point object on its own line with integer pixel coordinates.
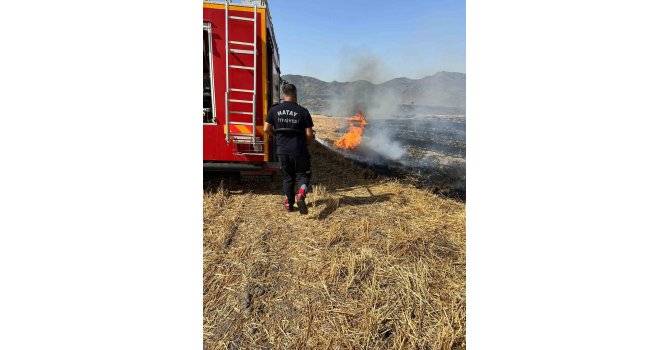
{"type": "Point", "coordinates": [378, 263]}
{"type": "Point", "coordinates": [428, 152]}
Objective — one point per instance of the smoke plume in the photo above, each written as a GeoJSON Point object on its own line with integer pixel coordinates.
{"type": "Point", "coordinates": [363, 70]}
{"type": "Point", "coordinates": [429, 145]}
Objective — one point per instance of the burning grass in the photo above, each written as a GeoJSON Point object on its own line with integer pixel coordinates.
{"type": "Point", "coordinates": [354, 135]}
{"type": "Point", "coordinates": [375, 264]}
{"type": "Point", "coordinates": [425, 155]}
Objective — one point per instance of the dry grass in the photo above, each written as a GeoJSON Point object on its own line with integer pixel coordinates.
{"type": "Point", "coordinates": [326, 127]}
{"type": "Point", "coordinates": [376, 264]}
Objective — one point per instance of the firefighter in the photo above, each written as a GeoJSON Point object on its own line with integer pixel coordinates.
{"type": "Point", "coordinates": [292, 126]}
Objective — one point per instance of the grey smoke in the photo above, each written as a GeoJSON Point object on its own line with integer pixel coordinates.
{"type": "Point", "coordinates": [362, 65]}
{"type": "Point", "coordinates": [363, 69]}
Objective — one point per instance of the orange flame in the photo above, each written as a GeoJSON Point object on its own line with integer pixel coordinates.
{"type": "Point", "coordinates": [354, 135]}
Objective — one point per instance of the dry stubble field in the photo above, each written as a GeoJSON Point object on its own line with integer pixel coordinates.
{"type": "Point", "coordinates": [376, 264]}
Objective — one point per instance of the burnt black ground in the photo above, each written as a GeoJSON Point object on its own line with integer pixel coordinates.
{"type": "Point", "coordinates": [434, 152]}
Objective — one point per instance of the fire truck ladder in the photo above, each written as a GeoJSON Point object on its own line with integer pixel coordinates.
{"type": "Point", "coordinates": [248, 144]}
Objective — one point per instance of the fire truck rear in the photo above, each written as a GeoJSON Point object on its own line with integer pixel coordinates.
{"type": "Point", "coordinates": [241, 80]}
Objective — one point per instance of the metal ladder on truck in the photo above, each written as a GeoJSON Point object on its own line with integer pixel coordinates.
{"type": "Point", "coordinates": [247, 143]}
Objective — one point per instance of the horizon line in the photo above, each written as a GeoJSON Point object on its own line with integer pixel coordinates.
{"type": "Point", "coordinates": [386, 81]}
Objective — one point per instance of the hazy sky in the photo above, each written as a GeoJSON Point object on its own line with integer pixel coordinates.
{"type": "Point", "coordinates": [329, 39]}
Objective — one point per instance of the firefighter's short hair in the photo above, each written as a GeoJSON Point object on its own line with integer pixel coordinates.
{"type": "Point", "coordinates": [289, 90]}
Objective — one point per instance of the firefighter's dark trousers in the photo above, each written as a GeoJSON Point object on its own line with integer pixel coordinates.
{"type": "Point", "coordinates": [294, 169]}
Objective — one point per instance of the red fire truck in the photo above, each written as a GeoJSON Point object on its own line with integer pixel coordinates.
{"type": "Point", "coordinates": [241, 80]}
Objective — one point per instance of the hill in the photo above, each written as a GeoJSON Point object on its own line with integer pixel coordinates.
{"type": "Point", "coordinates": [440, 93]}
{"type": "Point", "coordinates": [376, 263]}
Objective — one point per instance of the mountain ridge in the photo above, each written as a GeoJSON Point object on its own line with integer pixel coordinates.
{"type": "Point", "coordinates": [440, 93]}
{"type": "Point", "coordinates": [440, 73]}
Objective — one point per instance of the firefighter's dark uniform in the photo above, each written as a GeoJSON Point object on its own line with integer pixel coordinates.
{"type": "Point", "coordinates": [292, 145]}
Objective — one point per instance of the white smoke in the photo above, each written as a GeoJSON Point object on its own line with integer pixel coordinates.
{"type": "Point", "coordinates": [364, 69]}
{"type": "Point", "coordinates": [379, 139]}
